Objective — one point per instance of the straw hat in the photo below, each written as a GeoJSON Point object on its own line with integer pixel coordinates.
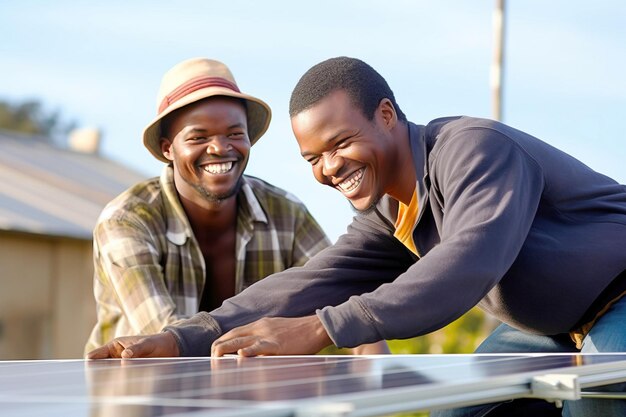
{"type": "Point", "coordinates": [196, 79]}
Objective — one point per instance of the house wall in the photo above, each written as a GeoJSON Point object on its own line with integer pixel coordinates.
{"type": "Point", "coordinates": [46, 300]}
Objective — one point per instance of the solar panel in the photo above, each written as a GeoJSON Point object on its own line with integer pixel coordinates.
{"type": "Point", "coordinates": [302, 386]}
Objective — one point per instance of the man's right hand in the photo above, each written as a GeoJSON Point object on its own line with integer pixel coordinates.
{"type": "Point", "coordinates": [157, 345]}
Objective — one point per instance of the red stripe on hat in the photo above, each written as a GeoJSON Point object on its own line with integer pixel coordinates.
{"type": "Point", "coordinates": [193, 85]}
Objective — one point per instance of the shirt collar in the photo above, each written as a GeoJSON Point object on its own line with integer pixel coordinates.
{"type": "Point", "coordinates": [178, 227]}
{"type": "Point", "coordinates": [255, 210]}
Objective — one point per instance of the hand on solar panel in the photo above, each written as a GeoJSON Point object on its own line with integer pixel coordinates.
{"type": "Point", "coordinates": [157, 345]}
{"type": "Point", "coordinates": [274, 336]}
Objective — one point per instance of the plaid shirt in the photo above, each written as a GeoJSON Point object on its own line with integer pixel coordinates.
{"type": "Point", "coordinates": [149, 270]}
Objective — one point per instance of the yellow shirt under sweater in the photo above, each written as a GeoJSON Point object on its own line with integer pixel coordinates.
{"type": "Point", "coordinates": [405, 223]}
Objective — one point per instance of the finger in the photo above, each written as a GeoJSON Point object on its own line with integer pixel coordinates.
{"type": "Point", "coordinates": [158, 345]}
{"type": "Point", "coordinates": [100, 353]}
{"type": "Point", "coordinates": [145, 348]}
{"type": "Point", "coordinates": [113, 349]}
{"type": "Point", "coordinates": [259, 348]}
{"type": "Point", "coordinates": [224, 345]}
{"type": "Point", "coordinates": [118, 346]}
{"type": "Point", "coordinates": [237, 332]}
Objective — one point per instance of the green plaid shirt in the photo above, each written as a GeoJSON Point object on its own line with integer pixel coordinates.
{"type": "Point", "coordinates": [149, 270]}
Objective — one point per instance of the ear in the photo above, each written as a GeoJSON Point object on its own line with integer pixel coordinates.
{"type": "Point", "coordinates": [166, 146]}
{"type": "Point", "coordinates": [387, 113]}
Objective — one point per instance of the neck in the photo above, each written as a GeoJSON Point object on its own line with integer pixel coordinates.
{"type": "Point", "coordinates": [404, 180]}
{"type": "Point", "coordinates": [210, 217]}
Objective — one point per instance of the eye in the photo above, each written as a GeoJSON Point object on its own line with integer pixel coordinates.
{"type": "Point", "coordinates": [313, 160]}
{"type": "Point", "coordinates": [342, 144]}
{"type": "Point", "coordinates": [237, 135]}
{"type": "Point", "coordinates": [196, 138]}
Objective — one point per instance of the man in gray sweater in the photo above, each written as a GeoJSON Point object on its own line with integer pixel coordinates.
{"type": "Point", "coordinates": [456, 213]}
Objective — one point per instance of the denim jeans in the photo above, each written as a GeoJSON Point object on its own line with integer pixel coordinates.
{"type": "Point", "coordinates": [607, 335]}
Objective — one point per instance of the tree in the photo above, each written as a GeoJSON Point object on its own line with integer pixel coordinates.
{"type": "Point", "coordinates": [31, 118]}
{"type": "Point", "coordinates": [461, 336]}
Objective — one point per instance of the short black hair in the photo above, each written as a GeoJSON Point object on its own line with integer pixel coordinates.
{"type": "Point", "coordinates": [365, 87]}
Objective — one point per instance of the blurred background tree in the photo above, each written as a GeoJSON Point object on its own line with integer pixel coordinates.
{"type": "Point", "coordinates": [30, 117]}
{"type": "Point", "coordinates": [461, 336]}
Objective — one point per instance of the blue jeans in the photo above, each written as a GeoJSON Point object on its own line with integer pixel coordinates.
{"type": "Point", "coordinates": [607, 335]}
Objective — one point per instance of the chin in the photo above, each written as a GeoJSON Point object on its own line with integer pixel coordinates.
{"type": "Point", "coordinates": [220, 195]}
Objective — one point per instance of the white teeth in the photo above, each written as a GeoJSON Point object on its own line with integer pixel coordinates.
{"type": "Point", "coordinates": [218, 168]}
{"type": "Point", "coordinates": [352, 182]}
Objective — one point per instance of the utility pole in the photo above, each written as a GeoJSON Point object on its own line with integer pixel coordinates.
{"type": "Point", "coordinates": [497, 66]}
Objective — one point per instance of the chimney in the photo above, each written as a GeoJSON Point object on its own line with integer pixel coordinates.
{"type": "Point", "coordinates": [85, 140]}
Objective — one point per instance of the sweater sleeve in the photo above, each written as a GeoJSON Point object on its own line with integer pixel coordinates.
{"type": "Point", "coordinates": [487, 190]}
{"type": "Point", "coordinates": [362, 259]}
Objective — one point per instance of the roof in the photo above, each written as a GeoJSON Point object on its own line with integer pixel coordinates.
{"type": "Point", "coordinates": [53, 191]}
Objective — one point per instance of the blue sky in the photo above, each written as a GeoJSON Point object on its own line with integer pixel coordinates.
{"type": "Point", "coordinates": [100, 63]}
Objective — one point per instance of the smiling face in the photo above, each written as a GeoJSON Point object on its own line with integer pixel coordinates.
{"type": "Point", "coordinates": [208, 145]}
{"type": "Point", "coordinates": [357, 156]}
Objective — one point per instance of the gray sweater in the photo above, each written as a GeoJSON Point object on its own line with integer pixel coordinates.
{"type": "Point", "coordinates": [506, 222]}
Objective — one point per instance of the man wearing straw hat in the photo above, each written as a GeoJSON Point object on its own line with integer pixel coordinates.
{"type": "Point", "coordinates": [202, 232]}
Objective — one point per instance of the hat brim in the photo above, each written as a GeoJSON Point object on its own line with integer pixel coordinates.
{"type": "Point", "coordinates": [259, 115]}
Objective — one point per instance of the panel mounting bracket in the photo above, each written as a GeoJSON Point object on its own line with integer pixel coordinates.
{"type": "Point", "coordinates": [556, 387]}
{"type": "Point", "coordinates": [340, 409]}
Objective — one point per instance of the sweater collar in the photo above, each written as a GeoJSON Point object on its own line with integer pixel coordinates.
{"type": "Point", "coordinates": [419, 150]}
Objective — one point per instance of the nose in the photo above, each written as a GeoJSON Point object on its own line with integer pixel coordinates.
{"type": "Point", "coordinates": [331, 165]}
{"type": "Point", "coordinates": [218, 145]}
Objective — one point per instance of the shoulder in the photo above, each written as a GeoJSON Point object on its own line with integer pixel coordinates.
{"type": "Point", "coordinates": [446, 128]}
{"type": "Point", "coordinates": [471, 150]}
{"type": "Point", "coordinates": [460, 128]}
{"type": "Point", "coordinates": [268, 193]}
{"type": "Point", "coordinates": [472, 136]}
{"type": "Point", "coordinates": [139, 199]}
